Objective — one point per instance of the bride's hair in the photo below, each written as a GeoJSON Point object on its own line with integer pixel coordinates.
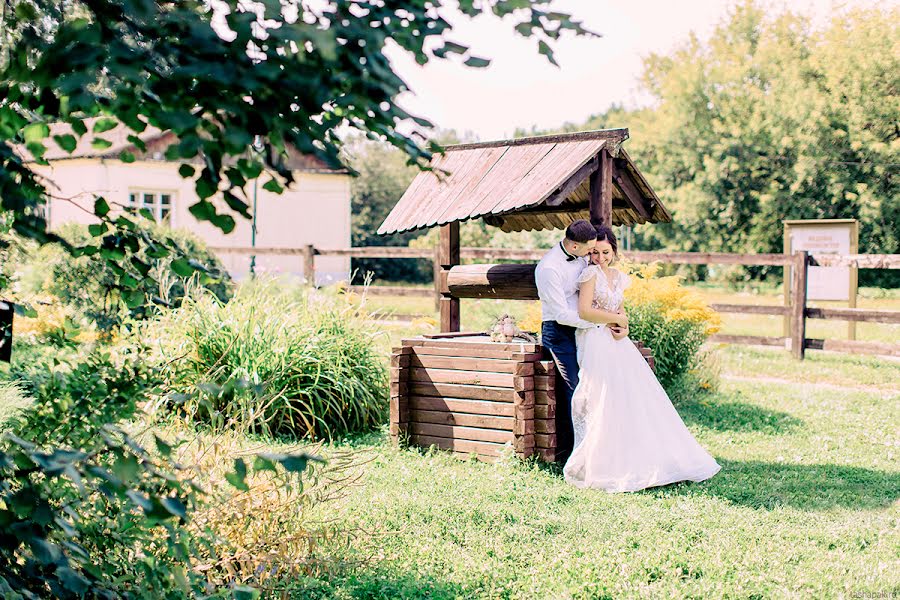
{"type": "Point", "coordinates": [605, 234]}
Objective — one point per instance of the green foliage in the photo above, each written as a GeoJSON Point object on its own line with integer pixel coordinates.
{"type": "Point", "coordinates": [284, 78]}
{"type": "Point", "coordinates": [675, 342]}
{"type": "Point", "coordinates": [92, 289]}
{"type": "Point", "coordinates": [281, 360]}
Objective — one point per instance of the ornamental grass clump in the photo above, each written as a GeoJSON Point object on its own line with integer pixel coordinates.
{"type": "Point", "coordinates": [276, 359]}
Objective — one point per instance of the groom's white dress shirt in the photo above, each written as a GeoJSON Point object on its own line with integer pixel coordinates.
{"type": "Point", "coordinates": [557, 284]}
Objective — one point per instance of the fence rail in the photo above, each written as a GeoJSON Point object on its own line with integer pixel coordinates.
{"type": "Point", "coordinates": [797, 311]}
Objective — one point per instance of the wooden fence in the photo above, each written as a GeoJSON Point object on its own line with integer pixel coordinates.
{"type": "Point", "coordinates": [797, 312]}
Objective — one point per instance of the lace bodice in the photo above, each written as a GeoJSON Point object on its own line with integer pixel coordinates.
{"type": "Point", "coordinates": [609, 292]}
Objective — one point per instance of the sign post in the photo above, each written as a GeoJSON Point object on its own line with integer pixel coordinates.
{"type": "Point", "coordinates": [824, 236]}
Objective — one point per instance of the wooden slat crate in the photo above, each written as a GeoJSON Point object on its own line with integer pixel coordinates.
{"type": "Point", "coordinates": [471, 396]}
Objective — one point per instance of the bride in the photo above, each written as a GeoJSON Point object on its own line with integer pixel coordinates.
{"type": "Point", "coordinates": [628, 435]}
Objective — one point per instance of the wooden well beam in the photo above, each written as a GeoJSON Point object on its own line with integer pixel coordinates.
{"type": "Point", "coordinates": [601, 191]}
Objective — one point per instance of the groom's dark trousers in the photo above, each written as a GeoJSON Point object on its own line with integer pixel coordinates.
{"type": "Point", "coordinates": [559, 341]}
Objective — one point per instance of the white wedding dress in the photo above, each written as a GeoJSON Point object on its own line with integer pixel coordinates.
{"type": "Point", "coordinates": [628, 435]}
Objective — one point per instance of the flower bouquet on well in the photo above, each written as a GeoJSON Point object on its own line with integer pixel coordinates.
{"type": "Point", "coordinates": [505, 330]}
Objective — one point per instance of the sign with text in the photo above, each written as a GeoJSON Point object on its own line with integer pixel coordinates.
{"type": "Point", "coordinates": [823, 237]}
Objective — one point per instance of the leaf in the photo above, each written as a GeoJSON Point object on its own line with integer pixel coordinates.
{"type": "Point", "coordinates": [205, 187]}
{"type": "Point", "coordinates": [72, 581]}
{"type": "Point", "coordinates": [78, 127]}
{"type": "Point", "coordinates": [67, 142]}
{"type": "Point", "coordinates": [203, 210]}
{"type": "Point", "coordinates": [238, 477]}
{"type": "Point", "coordinates": [186, 171]}
{"type": "Point", "coordinates": [101, 207]}
{"type": "Point", "coordinates": [236, 204]}
{"type": "Point", "coordinates": [174, 506]}
{"type": "Point", "coordinates": [245, 592]}
{"type": "Point", "coordinates": [273, 186]}
{"type": "Point", "coordinates": [23, 309]}
{"type": "Point", "coordinates": [182, 267]}
{"type": "Point", "coordinates": [98, 229]}
{"type": "Point", "coordinates": [133, 298]}
{"type": "Point", "coordinates": [46, 552]}
{"type": "Point", "coordinates": [126, 157]}
{"type": "Point", "coordinates": [100, 143]}
{"type": "Point", "coordinates": [163, 447]}
{"type": "Point", "coordinates": [547, 51]}
{"type": "Point", "coordinates": [35, 133]}
{"type": "Point", "coordinates": [126, 467]}
{"type": "Point", "coordinates": [477, 62]}
{"type": "Point", "coordinates": [105, 124]}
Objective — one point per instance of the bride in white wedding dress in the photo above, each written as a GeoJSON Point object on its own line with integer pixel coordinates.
{"type": "Point", "coordinates": [628, 436]}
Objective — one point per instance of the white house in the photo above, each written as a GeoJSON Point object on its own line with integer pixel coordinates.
{"type": "Point", "coordinates": [314, 210]}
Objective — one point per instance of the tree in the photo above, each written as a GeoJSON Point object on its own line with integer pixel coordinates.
{"type": "Point", "coordinates": [282, 76]}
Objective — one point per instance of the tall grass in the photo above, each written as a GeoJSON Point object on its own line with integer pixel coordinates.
{"type": "Point", "coordinates": [277, 359]}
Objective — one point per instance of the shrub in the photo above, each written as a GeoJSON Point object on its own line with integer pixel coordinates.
{"type": "Point", "coordinates": [88, 287]}
{"type": "Point", "coordinates": [670, 319]}
{"type": "Point", "coordinates": [276, 359]}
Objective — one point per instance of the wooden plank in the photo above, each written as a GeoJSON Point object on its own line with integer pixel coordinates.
{"type": "Point", "coordinates": [400, 360]}
{"type": "Point", "coordinates": [458, 445]}
{"type": "Point", "coordinates": [545, 367]}
{"type": "Point", "coordinates": [616, 135]}
{"type": "Point", "coordinates": [466, 195]}
{"type": "Point", "coordinates": [475, 353]}
{"type": "Point", "coordinates": [516, 163]}
{"type": "Point", "coordinates": [527, 347]}
{"type": "Point", "coordinates": [463, 419]}
{"type": "Point", "coordinates": [388, 290]}
{"type": "Point", "coordinates": [462, 405]}
{"type": "Point", "coordinates": [632, 194]}
{"type": "Point", "coordinates": [490, 365]}
{"type": "Point", "coordinates": [750, 309]}
{"type": "Point", "coordinates": [449, 335]}
{"type": "Point", "coordinates": [448, 253]}
{"type": "Point", "coordinates": [853, 346]}
{"type": "Point", "coordinates": [601, 191]}
{"type": "Point", "coordinates": [463, 433]}
{"type": "Point", "coordinates": [569, 187]}
{"type": "Point", "coordinates": [479, 378]}
{"type": "Point", "coordinates": [708, 258]}
{"type": "Point", "coordinates": [800, 270]}
{"type": "Point", "coordinates": [860, 261]}
{"type": "Point", "coordinates": [757, 340]}
{"type": "Point", "coordinates": [451, 390]}
{"type": "Point", "coordinates": [855, 314]}
{"type": "Point", "coordinates": [398, 388]}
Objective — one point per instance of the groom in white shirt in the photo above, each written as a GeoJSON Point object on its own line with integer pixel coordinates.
{"type": "Point", "coordinates": [556, 277]}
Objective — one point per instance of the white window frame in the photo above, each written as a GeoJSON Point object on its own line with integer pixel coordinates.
{"type": "Point", "coordinates": [137, 199]}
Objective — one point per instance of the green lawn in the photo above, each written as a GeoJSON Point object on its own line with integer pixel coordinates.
{"type": "Point", "coordinates": [805, 505]}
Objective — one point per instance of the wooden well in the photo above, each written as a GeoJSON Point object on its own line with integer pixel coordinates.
{"type": "Point", "coordinates": [471, 396]}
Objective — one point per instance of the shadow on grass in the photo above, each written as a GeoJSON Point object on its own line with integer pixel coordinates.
{"type": "Point", "coordinates": [375, 583]}
{"type": "Point", "coordinates": [721, 412]}
{"type": "Point", "coordinates": [806, 487]}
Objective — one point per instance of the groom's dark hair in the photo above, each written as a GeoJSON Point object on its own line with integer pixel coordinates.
{"type": "Point", "coordinates": [581, 231]}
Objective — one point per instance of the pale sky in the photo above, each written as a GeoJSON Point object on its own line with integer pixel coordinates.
{"type": "Point", "coordinates": [520, 88]}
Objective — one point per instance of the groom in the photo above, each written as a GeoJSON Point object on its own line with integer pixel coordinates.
{"type": "Point", "coordinates": [556, 277]}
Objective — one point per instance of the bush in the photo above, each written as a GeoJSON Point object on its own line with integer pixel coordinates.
{"type": "Point", "coordinates": [670, 319]}
{"type": "Point", "coordinates": [88, 287]}
{"type": "Point", "coordinates": [276, 359]}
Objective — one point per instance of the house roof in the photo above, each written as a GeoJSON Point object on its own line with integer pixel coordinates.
{"type": "Point", "coordinates": [529, 183]}
{"type": "Point", "coordinates": [156, 141]}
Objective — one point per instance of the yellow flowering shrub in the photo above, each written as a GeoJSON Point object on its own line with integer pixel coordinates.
{"type": "Point", "coordinates": [531, 322]}
{"type": "Point", "coordinates": [677, 302]}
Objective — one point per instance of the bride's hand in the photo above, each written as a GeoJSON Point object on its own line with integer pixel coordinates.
{"type": "Point", "coordinates": [622, 321]}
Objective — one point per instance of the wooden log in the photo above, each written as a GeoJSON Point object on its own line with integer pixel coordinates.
{"type": "Point", "coordinates": [546, 454]}
{"type": "Point", "coordinates": [398, 388]}
{"type": "Point", "coordinates": [853, 346]}
{"type": "Point", "coordinates": [750, 309]}
{"type": "Point", "coordinates": [545, 411]}
{"type": "Point", "coordinates": [462, 405]}
{"type": "Point", "coordinates": [451, 390]}
{"type": "Point", "coordinates": [399, 361]}
{"type": "Point", "coordinates": [544, 425]}
{"type": "Point", "coordinates": [492, 281]}
{"type": "Point", "coordinates": [855, 314]}
{"type": "Point", "coordinates": [474, 378]}
{"type": "Point", "coordinates": [631, 193]}
{"type": "Point", "coordinates": [600, 202]}
{"type": "Point", "coordinates": [399, 409]}
{"type": "Point", "coordinates": [708, 258]}
{"type": "Point", "coordinates": [545, 367]}
{"type": "Point", "coordinates": [524, 398]}
{"type": "Point", "coordinates": [388, 290]}
{"type": "Point", "coordinates": [449, 257]}
{"type": "Point", "coordinates": [545, 397]}
{"type": "Point", "coordinates": [545, 440]}
{"type": "Point", "coordinates": [462, 419]}
{"type": "Point", "coordinates": [309, 265]}
{"type": "Point", "coordinates": [545, 382]}
{"type": "Point", "coordinates": [800, 271]}
{"type": "Point", "coordinates": [490, 365]}
{"type": "Point", "coordinates": [458, 445]}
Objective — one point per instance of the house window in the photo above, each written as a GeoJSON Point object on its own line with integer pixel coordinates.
{"type": "Point", "coordinates": [158, 204]}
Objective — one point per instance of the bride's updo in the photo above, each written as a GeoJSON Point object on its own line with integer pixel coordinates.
{"type": "Point", "coordinates": [605, 234]}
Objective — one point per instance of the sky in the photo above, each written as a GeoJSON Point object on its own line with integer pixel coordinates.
{"type": "Point", "coordinates": [520, 89]}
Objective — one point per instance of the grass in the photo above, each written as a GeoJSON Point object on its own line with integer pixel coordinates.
{"type": "Point", "coordinates": [805, 506]}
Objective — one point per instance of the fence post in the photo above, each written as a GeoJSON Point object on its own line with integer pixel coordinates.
{"type": "Point", "coordinates": [798, 304]}
{"type": "Point", "coordinates": [436, 270]}
{"type": "Point", "coordinates": [309, 265]}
